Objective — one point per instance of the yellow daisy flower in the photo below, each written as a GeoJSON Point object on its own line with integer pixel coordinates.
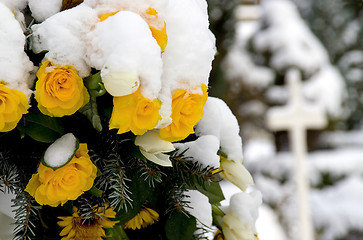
{"type": "Point", "coordinates": [144, 218]}
{"type": "Point", "coordinates": [74, 227]}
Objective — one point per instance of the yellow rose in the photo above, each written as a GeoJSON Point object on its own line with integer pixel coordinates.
{"type": "Point", "coordinates": [59, 90]}
{"type": "Point", "coordinates": [134, 113]}
{"type": "Point", "coordinates": [13, 104]}
{"type": "Point", "coordinates": [187, 111]}
{"type": "Point", "coordinates": [54, 187]}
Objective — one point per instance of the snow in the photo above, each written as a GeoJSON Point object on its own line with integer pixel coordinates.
{"type": "Point", "coordinates": [15, 66]}
{"type": "Point", "coordinates": [330, 100]}
{"type": "Point", "coordinates": [245, 206]}
{"type": "Point", "coordinates": [267, 225]}
{"type": "Point", "coordinates": [336, 209]}
{"type": "Point", "coordinates": [218, 120]}
{"type": "Point", "coordinates": [15, 5]}
{"type": "Point", "coordinates": [199, 207]}
{"type": "Point", "coordinates": [292, 41]}
{"type": "Point", "coordinates": [124, 43]}
{"type": "Point", "coordinates": [339, 209]}
{"type": "Point", "coordinates": [191, 45]}
{"type": "Point", "coordinates": [60, 152]}
{"type": "Point", "coordinates": [63, 36]}
{"type": "Point", "coordinates": [203, 150]}
{"type": "Point", "coordinates": [42, 9]}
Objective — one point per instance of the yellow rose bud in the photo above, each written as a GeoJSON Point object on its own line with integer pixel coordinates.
{"type": "Point", "coordinates": [13, 104]}
{"type": "Point", "coordinates": [187, 111]}
{"type": "Point", "coordinates": [59, 90]}
{"type": "Point", "coordinates": [154, 148]}
{"type": "Point", "coordinates": [119, 83]}
{"type": "Point", "coordinates": [54, 187]}
{"type": "Point", "coordinates": [134, 113]}
{"type": "Point", "coordinates": [235, 173]}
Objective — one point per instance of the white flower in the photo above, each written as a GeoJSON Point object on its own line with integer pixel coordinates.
{"type": "Point", "coordinates": [154, 148]}
{"type": "Point", "coordinates": [119, 83]}
{"type": "Point", "coordinates": [241, 215]}
{"type": "Point", "coordinates": [235, 173]}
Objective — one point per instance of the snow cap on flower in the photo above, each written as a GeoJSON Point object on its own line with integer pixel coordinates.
{"type": "Point", "coordinates": [61, 151]}
{"type": "Point", "coordinates": [42, 9]}
{"type": "Point", "coordinates": [218, 120]}
{"type": "Point", "coordinates": [203, 150]}
{"type": "Point", "coordinates": [15, 5]}
{"type": "Point", "coordinates": [190, 50]}
{"type": "Point", "coordinates": [241, 215]}
{"type": "Point", "coordinates": [123, 46]}
{"type": "Point", "coordinates": [154, 148]}
{"type": "Point", "coordinates": [63, 37]}
{"type": "Point", "coordinates": [15, 66]}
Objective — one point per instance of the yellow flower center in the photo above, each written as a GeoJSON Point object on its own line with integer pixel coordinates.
{"type": "Point", "coordinates": [59, 90]}
{"type": "Point", "coordinates": [134, 112]}
{"type": "Point", "coordinates": [187, 111]}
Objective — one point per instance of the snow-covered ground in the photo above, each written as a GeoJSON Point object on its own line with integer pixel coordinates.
{"type": "Point", "coordinates": [335, 175]}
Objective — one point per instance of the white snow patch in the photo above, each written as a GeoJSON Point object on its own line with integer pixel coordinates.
{"type": "Point", "coordinates": [218, 120]}
{"type": "Point", "coordinates": [199, 207]}
{"type": "Point", "coordinates": [339, 209]}
{"type": "Point", "coordinates": [15, 66]}
{"type": "Point", "coordinates": [203, 150]}
{"type": "Point", "coordinates": [63, 35]}
{"type": "Point", "coordinates": [42, 9]}
{"type": "Point", "coordinates": [59, 152]}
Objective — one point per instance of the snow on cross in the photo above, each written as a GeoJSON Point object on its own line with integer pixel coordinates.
{"type": "Point", "coordinates": [296, 117]}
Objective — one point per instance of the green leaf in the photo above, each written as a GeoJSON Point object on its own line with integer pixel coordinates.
{"type": "Point", "coordinates": [212, 190]}
{"type": "Point", "coordinates": [91, 112]}
{"type": "Point", "coordinates": [180, 226]}
{"type": "Point", "coordinates": [116, 233]}
{"type": "Point", "coordinates": [40, 127]}
{"type": "Point", "coordinates": [94, 85]}
{"type": "Point", "coordinates": [95, 191]}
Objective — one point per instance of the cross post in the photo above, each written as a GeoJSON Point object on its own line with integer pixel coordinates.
{"type": "Point", "coordinates": [296, 117]}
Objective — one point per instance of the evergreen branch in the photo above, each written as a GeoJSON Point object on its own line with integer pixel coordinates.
{"type": "Point", "coordinates": [25, 213]}
{"type": "Point", "coordinates": [150, 175]}
{"type": "Point", "coordinates": [113, 183]}
{"type": "Point", "coordinates": [25, 216]}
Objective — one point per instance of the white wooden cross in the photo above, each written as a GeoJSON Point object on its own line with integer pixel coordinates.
{"type": "Point", "coordinates": [296, 117]}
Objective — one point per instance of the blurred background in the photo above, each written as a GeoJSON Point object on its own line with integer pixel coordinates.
{"type": "Point", "coordinates": [258, 41]}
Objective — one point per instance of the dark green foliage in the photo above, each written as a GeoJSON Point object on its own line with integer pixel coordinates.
{"type": "Point", "coordinates": [180, 226]}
